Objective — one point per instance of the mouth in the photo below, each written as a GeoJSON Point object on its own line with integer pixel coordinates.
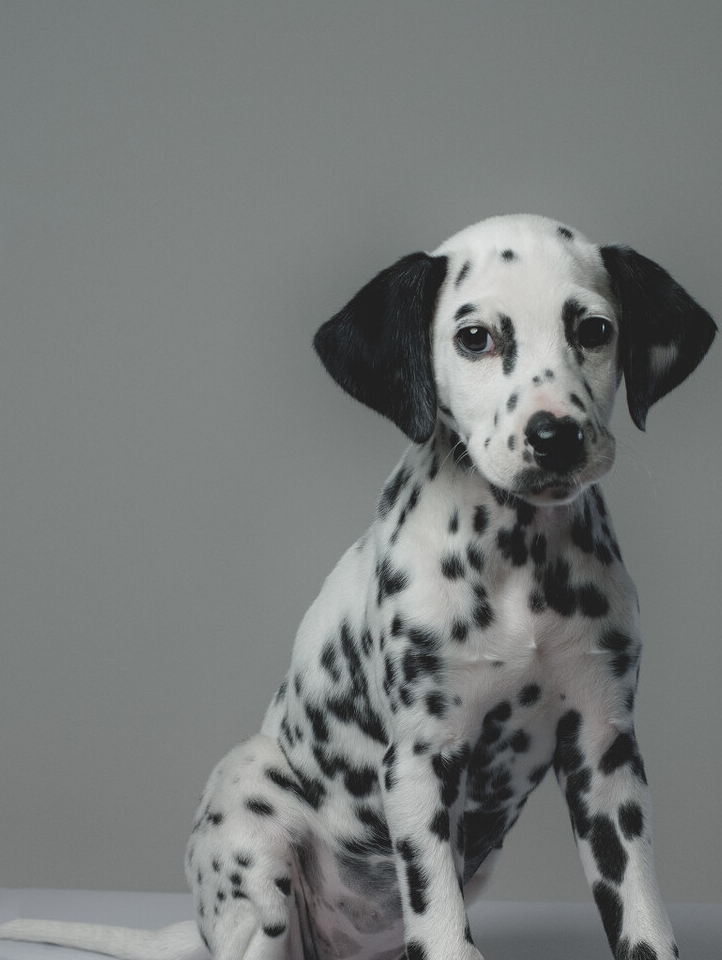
{"type": "Point", "coordinates": [540, 486]}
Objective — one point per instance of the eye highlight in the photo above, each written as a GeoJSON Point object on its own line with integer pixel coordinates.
{"type": "Point", "coordinates": [474, 340]}
{"type": "Point", "coordinates": [594, 332]}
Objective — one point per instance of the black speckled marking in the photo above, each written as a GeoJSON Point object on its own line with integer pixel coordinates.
{"type": "Point", "coordinates": [530, 694]}
{"type": "Point", "coordinates": [607, 848]}
{"type": "Point", "coordinates": [611, 910]}
{"type": "Point", "coordinates": [631, 820]}
{"type": "Point", "coordinates": [415, 951]}
{"type": "Point", "coordinates": [507, 344]}
{"type": "Point", "coordinates": [464, 310]}
{"type": "Point", "coordinates": [259, 806]}
{"type": "Point", "coordinates": [462, 274]}
{"type": "Point", "coordinates": [414, 875]}
{"type": "Point", "coordinates": [571, 311]}
{"type": "Point", "coordinates": [565, 232]}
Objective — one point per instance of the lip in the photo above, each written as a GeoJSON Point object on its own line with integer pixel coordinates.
{"type": "Point", "coordinates": [547, 488]}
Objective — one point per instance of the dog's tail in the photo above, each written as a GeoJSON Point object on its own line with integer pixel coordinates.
{"type": "Point", "coordinates": [180, 941]}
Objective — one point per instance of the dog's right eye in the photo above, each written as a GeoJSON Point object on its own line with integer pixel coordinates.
{"type": "Point", "coordinates": [475, 340]}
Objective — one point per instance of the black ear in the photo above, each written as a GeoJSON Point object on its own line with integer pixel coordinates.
{"type": "Point", "coordinates": [664, 333]}
{"type": "Point", "coordinates": [378, 347]}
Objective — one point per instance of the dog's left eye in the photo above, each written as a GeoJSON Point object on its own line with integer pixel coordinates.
{"type": "Point", "coordinates": [594, 332]}
{"type": "Point", "coordinates": [476, 340]}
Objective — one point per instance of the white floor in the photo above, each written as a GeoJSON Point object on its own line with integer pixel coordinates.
{"type": "Point", "coordinates": [502, 930]}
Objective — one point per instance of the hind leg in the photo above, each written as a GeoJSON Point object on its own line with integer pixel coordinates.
{"type": "Point", "coordinates": [240, 863]}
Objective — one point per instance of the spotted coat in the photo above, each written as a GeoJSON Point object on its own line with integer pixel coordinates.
{"type": "Point", "coordinates": [482, 632]}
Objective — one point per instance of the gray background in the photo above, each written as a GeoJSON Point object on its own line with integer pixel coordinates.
{"type": "Point", "coordinates": [187, 191]}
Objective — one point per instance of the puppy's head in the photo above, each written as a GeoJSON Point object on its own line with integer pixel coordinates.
{"type": "Point", "coordinates": [516, 333]}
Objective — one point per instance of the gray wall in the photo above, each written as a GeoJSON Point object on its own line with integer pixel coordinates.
{"type": "Point", "coordinates": [188, 189]}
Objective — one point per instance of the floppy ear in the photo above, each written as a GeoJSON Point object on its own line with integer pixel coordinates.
{"type": "Point", "coordinates": [378, 347]}
{"type": "Point", "coordinates": [664, 333]}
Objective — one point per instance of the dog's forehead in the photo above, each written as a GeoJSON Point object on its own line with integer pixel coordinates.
{"type": "Point", "coordinates": [523, 254]}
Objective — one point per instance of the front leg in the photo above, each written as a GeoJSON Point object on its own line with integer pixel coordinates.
{"type": "Point", "coordinates": [600, 770]}
{"type": "Point", "coordinates": [423, 794]}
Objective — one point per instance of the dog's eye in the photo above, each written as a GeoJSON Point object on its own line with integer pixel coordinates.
{"type": "Point", "coordinates": [594, 332]}
{"type": "Point", "coordinates": [475, 340]}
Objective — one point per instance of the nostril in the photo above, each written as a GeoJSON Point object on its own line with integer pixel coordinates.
{"type": "Point", "coordinates": [558, 443]}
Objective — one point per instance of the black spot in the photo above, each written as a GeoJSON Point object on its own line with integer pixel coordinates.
{"type": "Point", "coordinates": [482, 612]}
{"type": "Point", "coordinates": [567, 755]}
{"type": "Point", "coordinates": [328, 661]}
{"type": "Point", "coordinates": [216, 864]}
{"type": "Point", "coordinates": [511, 442]}
{"type": "Point", "coordinates": [259, 806]}
{"type": "Point", "coordinates": [309, 790]}
{"type": "Point", "coordinates": [318, 722]}
{"type": "Point", "coordinates": [464, 311]}
{"type": "Point", "coordinates": [631, 820]}
{"type": "Point", "coordinates": [329, 763]}
{"type": "Point", "coordinates": [440, 825]}
{"type": "Point", "coordinates": [414, 875]}
{"type": "Point", "coordinates": [459, 631]}
{"type": "Point", "coordinates": [436, 703]}
{"type": "Point", "coordinates": [571, 311]}
{"type": "Point", "coordinates": [415, 951]}
{"type": "Point", "coordinates": [592, 601]}
{"type": "Point", "coordinates": [579, 404]}
{"type": "Point", "coordinates": [475, 557]}
{"type": "Point", "coordinates": [452, 566]}
{"type": "Point", "coordinates": [284, 885]}
{"type": "Point", "coordinates": [507, 345]}
{"type": "Point", "coordinates": [578, 784]}
{"type": "Point", "coordinates": [565, 232]}
{"type": "Point", "coordinates": [243, 859]}
{"type": "Point", "coordinates": [459, 280]}
{"type": "Point", "coordinates": [348, 710]}
{"type": "Point", "coordinates": [275, 930]}
{"type": "Point", "coordinates": [448, 769]}
{"type": "Point", "coordinates": [607, 848]}
{"type": "Point", "coordinates": [215, 818]}
{"type": "Point", "coordinates": [508, 255]}
{"type": "Point", "coordinates": [392, 490]}
{"type": "Point", "coordinates": [530, 694]}
{"type": "Point", "coordinates": [512, 402]}
{"type": "Point", "coordinates": [558, 593]}
{"type": "Point", "coordinates": [611, 910]}
{"type": "Point", "coordinates": [520, 741]}
{"type": "Point", "coordinates": [623, 751]}
{"type": "Point", "coordinates": [454, 522]}
{"type": "Point", "coordinates": [380, 841]}
{"type": "Point", "coordinates": [390, 581]}
{"type": "Point", "coordinates": [360, 782]}
{"type": "Point", "coordinates": [512, 544]}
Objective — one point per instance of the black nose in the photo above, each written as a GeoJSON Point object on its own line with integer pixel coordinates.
{"type": "Point", "coordinates": [558, 444]}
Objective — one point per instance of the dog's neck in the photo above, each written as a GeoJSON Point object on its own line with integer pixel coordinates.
{"type": "Point", "coordinates": [521, 529]}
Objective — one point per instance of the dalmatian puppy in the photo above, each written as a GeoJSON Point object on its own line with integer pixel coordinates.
{"type": "Point", "coordinates": [483, 631]}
